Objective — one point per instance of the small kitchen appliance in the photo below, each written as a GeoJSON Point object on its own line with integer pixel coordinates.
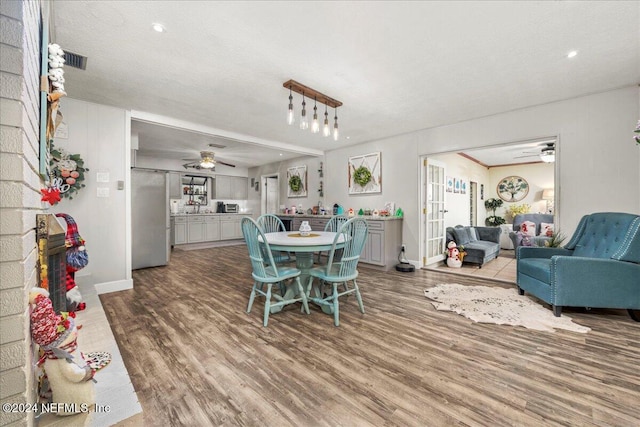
{"type": "Point", "coordinates": [231, 208]}
{"type": "Point", "coordinates": [220, 207]}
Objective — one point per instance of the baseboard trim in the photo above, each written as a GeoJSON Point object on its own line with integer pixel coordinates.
{"type": "Point", "coordinates": [115, 286]}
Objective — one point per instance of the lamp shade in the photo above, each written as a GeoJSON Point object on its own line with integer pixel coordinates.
{"type": "Point", "coordinates": [548, 194]}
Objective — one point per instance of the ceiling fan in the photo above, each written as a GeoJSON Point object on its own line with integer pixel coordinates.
{"type": "Point", "coordinates": [206, 161]}
{"type": "Point", "coordinates": [547, 154]}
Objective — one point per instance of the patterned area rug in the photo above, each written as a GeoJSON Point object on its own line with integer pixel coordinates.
{"type": "Point", "coordinates": [485, 304]}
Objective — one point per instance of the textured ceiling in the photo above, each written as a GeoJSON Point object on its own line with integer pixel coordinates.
{"type": "Point", "coordinates": [397, 66]}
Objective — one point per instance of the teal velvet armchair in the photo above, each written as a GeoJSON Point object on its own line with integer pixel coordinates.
{"type": "Point", "coordinates": [598, 268]}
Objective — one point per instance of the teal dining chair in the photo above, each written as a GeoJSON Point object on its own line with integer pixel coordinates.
{"type": "Point", "coordinates": [266, 272]}
{"type": "Point", "coordinates": [334, 225]}
{"type": "Point", "coordinates": [354, 235]}
{"type": "Point", "coordinates": [270, 223]}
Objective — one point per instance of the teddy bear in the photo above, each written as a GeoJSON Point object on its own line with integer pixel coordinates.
{"type": "Point", "coordinates": [69, 375]}
{"type": "Point", "coordinates": [453, 258]}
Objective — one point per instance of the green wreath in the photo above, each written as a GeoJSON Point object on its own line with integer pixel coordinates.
{"type": "Point", "coordinates": [362, 176]}
{"type": "Point", "coordinates": [295, 183]}
{"type": "Point", "coordinates": [67, 172]}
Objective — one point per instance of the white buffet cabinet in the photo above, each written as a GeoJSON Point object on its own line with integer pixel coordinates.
{"type": "Point", "coordinates": [198, 228]}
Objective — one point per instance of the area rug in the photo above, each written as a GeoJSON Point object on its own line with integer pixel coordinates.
{"type": "Point", "coordinates": [486, 304]}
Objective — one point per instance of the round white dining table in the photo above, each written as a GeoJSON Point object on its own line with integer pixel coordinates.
{"type": "Point", "coordinates": [304, 248]}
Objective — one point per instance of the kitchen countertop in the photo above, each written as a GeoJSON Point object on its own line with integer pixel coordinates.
{"type": "Point", "coordinates": [212, 213]}
{"type": "Point", "coordinates": [367, 217]}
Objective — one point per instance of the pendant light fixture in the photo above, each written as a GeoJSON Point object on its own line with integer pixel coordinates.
{"type": "Point", "coordinates": [315, 126]}
{"type": "Point", "coordinates": [306, 91]}
{"type": "Point", "coordinates": [304, 123]}
{"type": "Point", "coordinates": [326, 131]}
{"type": "Point", "coordinates": [291, 117]}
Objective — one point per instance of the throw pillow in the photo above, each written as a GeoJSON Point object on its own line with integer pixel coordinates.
{"type": "Point", "coordinates": [528, 228]}
{"type": "Point", "coordinates": [473, 234]}
{"type": "Point", "coordinates": [523, 239]}
{"type": "Point", "coordinates": [546, 229]}
{"type": "Point", "coordinates": [461, 235]}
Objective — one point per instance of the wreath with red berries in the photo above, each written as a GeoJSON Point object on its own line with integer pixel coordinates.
{"type": "Point", "coordinates": [67, 172]}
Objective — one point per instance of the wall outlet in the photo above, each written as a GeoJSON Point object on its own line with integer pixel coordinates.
{"type": "Point", "coordinates": [403, 248]}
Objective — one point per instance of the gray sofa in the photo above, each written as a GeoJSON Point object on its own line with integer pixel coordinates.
{"type": "Point", "coordinates": [535, 218]}
{"type": "Point", "coordinates": [482, 244]}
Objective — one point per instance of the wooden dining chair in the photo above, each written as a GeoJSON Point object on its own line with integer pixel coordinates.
{"type": "Point", "coordinates": [339, 272]}
{"type": "Point", "coordinates": [266, 272]}
{"type": "Point", "coordinates": [272, 224]}
{"type": "Point", "coordinates": [333, 225]}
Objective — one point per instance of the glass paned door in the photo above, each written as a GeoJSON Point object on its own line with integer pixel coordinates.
{"type": "Point", "coordinates": [435, 235]}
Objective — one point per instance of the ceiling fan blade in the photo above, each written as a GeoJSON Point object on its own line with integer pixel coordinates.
{"type": "Point", "coordinates": [225, 163]}
{"type": "Point", "coordinates": [528, 155]}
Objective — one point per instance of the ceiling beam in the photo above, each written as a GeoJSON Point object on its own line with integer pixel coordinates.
{"type": "Point", "coordinates": [312, 93]}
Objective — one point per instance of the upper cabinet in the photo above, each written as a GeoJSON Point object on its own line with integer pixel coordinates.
{"type": "Point", "coordinates": [231, 188]}
{"type": "Point", "coordinates": [175, 185]}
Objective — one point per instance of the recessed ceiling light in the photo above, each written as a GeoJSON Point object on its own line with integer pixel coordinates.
{"type": "Point", "coordinates": [348, 137]}
{"type": "Point", "coordinates": [281, 154]}
{"type": "Point", "coordinates": [572, 54]}
{"type": "Point", "coordinates": [158, 27]}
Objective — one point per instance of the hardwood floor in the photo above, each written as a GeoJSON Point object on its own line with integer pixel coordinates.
{"type": "Point", "coordinates": [197, 359]}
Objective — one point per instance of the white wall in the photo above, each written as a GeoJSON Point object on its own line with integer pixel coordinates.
{"type": "Point", "coordinates": [539, 176]}
{"type": "Point", "coordinates": [100, 134]}
{"type": "Point", "coordinates": [595, 154]}
{"type": "Point", "coordinates": [595, 151]}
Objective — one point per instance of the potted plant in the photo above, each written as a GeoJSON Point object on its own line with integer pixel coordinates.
{"type": "Point", "coordinates": [514, 210]}
{"type": "Point", "coordinates": [555, 241]}
{"type": "Point", "coordinates": [492, 204]}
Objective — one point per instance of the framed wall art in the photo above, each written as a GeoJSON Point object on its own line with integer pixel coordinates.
{"type": "Point", "coordinates": [513, 189]}
{"type": "Point", "coordinates": [456, 185]}
{"type": "Point", "coordinates": [297, 181]}
{"type": "Point", "coordinates": [449, 184]}
{"type": "Point", "coordinates": [365, 174]}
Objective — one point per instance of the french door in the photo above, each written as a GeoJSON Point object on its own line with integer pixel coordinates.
{"type": "Point", "coordinates": [434, 211]}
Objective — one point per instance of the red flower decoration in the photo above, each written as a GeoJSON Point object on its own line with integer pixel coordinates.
{"type": "Point", "coordinates": [51, 195]}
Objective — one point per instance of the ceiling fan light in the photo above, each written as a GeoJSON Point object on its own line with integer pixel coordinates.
{"type": "Point", "coordinates": [548, 156]}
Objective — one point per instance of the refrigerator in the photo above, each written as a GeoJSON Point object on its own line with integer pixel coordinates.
{"type": "Point", "coordinates": [150, 218]}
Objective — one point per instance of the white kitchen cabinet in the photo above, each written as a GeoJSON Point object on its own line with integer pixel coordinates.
{"type": "Point", "coordinates": [211, 228]}
{"type": "Point", "coordinates": [195, 229]}
{"type": "Point", "coordinates": [179, 230]}
{"type": "Point", "coordinates": [230, 227]}
{"type": "Point", "coordinates": [240, 188]}
{"type": "Point", "coordinates": [231, 187]}
{"type": "Point", "coordinates": [223, 187]}
{"type": "Point", "coordinates": [175, 185]}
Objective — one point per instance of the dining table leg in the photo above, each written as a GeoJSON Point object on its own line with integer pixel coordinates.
{"type": "Point", "coordinates": [304, 263]}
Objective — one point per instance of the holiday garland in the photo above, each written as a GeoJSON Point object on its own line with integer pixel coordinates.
{"type": "Point", "coordinates": [295, 183]}
{"type": "Point", "coordinates": [362, 176]}
{"type": "Point", "coordinates": [67, 172]}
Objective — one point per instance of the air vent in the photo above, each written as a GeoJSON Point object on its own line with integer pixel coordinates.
{"type": "Point", "coordinates": [217, 146]}
{"type": "Point", "coordinates": [74, 60]}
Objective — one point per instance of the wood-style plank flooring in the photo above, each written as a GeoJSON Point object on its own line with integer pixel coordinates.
{"type": "Point", "coordinates": [196, 358]}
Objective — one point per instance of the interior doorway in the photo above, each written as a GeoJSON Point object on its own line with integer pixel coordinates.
{"type": "Point", "coordinates": [270, 195]}
{"type": "Point", "coordinates": [473, 203]}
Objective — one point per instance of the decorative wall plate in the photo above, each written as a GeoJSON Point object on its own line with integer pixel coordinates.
{"type": "Point", "coordinates": [513, 189]}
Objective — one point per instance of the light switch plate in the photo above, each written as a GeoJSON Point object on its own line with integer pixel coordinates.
{"type": "Point", "coordinates": [103, 192]}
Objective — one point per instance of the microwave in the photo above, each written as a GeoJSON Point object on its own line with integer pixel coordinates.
{"type": "Point", "coordinates": [231, 208]}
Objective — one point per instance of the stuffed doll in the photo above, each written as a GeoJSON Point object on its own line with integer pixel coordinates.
{"type": "Point", "coordinates": [69, 375]}
{"type": "Point", "coordinates": [453, 258]}
{"type": "Point", "coordinates": [77, 259]}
